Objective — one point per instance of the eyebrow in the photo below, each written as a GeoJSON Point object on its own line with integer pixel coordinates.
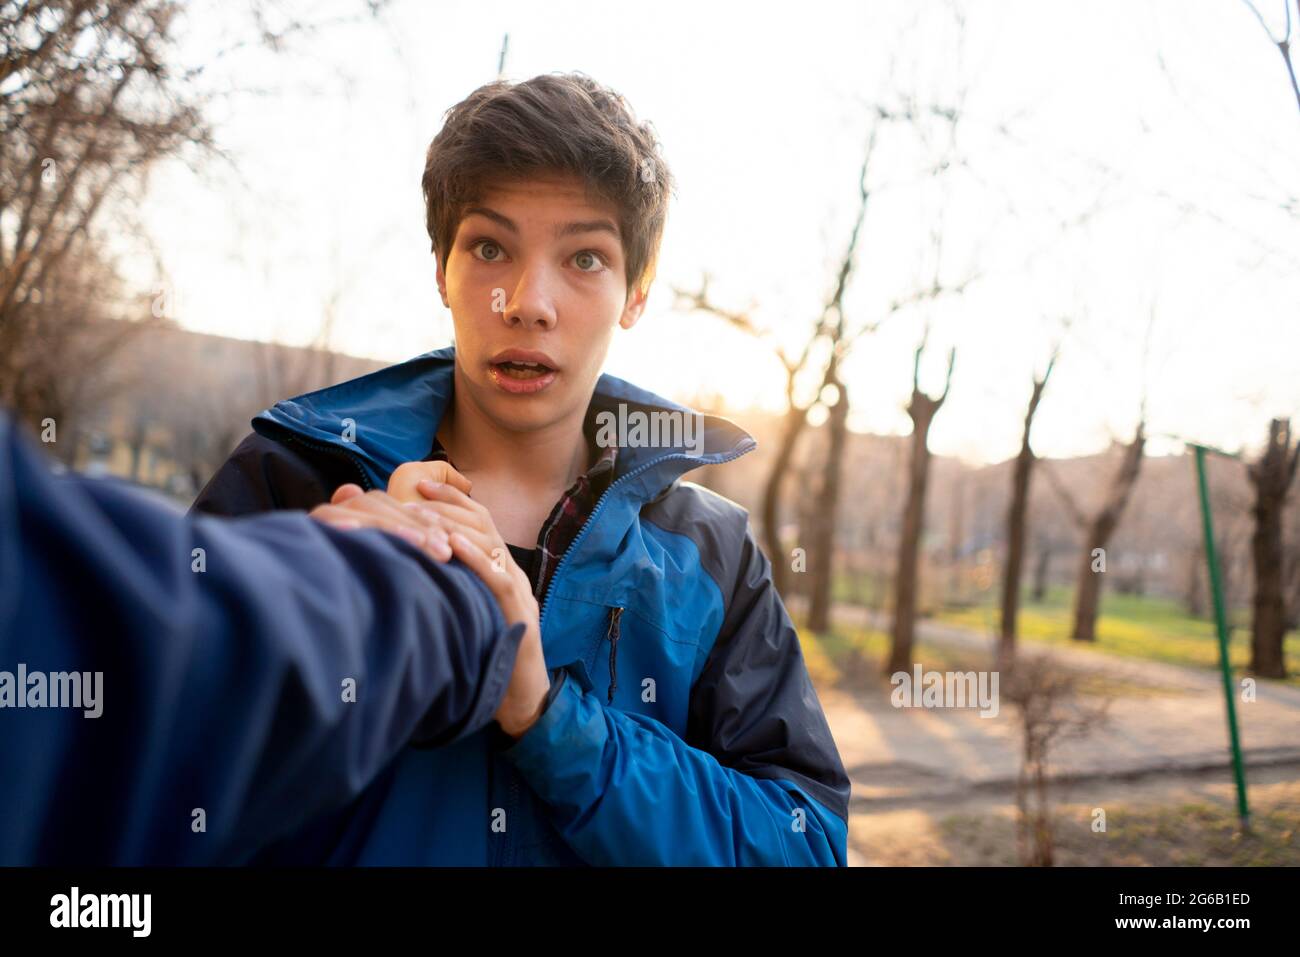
{"type": "Point", "coordinates": [562, 230]}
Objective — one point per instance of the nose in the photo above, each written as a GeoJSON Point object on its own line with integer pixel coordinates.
{"type": "Point", "coordinates": [532, 306]}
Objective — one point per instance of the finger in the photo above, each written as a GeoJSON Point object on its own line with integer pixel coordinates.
{"type": "Point", "coordinates": [339, 520]}
{"type": "Point", "coordinates": [382, 512]}
{"type": "Point", "coordinates": [381, 503]}
{"type": "Point", "coordinates": [452, 477]}
{"type": "Point", "coordinates": [480, 564]}
{"type": "Point", "coordinates": [442, 492]}
{"type": "Point", "coordinates": [438, 545]}
{"type": "Point", "coordinates": [433, 541]}
{"type": "Point", "coordinates": [345, 492]}
{"type": "Point", "coordinates": [350, 517]}
{"type": "Point", "coordinates": [454, 513]}
{"type": "Point", "coordinates": [425, 512]}
{"type": "Point", "coordinates": [495, 550]}
{"type": "Point", "coordinates": [436, 531]}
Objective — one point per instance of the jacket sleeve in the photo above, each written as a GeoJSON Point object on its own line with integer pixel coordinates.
{"type": "Point", "coordinates": [262, 475]}
{"type": "Point", "coordinates": [253, 674]}
{"type": "Point", "coordinates": [760, 783]}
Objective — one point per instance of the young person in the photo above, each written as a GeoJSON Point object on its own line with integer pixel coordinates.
{"type": "Point", "coordinates": [673, 721]}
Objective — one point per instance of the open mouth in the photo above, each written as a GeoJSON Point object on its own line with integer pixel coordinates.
{"type": "Point", "coordinates": [523, 371]}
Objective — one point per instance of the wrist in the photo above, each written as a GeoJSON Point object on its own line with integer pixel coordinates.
{"type": "Point", "coordinates": [518, 727]}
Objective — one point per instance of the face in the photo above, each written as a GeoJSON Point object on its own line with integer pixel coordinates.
{"type": "Point", "coordinates": [536, 284]}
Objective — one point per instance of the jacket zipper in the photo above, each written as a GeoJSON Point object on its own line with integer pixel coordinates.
{"type": "Point", "coordinates": [615, 615]}
{"type": "Point", "coordinates": [600, 504]}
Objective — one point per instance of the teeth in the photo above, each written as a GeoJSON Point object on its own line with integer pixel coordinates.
{"type": "Point", "coordinates": [523, 370]}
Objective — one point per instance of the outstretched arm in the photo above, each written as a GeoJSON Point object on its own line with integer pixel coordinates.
{"type": "Point", "coordinates": [248, 675]}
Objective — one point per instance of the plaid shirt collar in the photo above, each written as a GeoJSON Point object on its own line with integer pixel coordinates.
{"type": "Point", "coordinates": [570, 512]}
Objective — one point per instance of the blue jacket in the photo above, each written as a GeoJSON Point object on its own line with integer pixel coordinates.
{"type": "Point", "coordinates": [683, 727]}
{"type": "Point", "coordinates": [201, 669]}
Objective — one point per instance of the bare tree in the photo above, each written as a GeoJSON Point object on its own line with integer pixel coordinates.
{"type": "Point", "coordinates": [93, 97]}
{"type": "Point", "coordinates": [921, 409]}
{"type": "Point", "coordinates": [827, 329]}
{"type": "Point", "coordinates": [830, 340]}
{"type": "Point", "coordinates": [1271, 475]}
{"type": "Point", "coordinates": [1097, 530]}
{"type": "Point", "coordinates": [1283, 43]}
{"type": "Point", "coordinates": [1016, 513]}
{"type": "Point", "coordinates": [89, 104]}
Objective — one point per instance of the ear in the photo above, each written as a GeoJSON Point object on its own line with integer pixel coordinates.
{"type": "Point", "coordinates": [635, 306]}
{"type": "Point", "coordinates": [442, 281]}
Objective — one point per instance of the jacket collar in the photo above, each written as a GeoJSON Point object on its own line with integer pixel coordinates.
{"type": "Point", "coordinates": [390, 416]}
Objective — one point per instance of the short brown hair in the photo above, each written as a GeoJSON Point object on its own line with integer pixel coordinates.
{"type": "Point", "coordinates": [556, 122]}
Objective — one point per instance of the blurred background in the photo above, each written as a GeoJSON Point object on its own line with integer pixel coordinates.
{"type": "Point", "coordinates": [973, 273]}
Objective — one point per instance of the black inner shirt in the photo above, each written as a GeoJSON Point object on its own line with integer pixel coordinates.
{"type": "Point", "coordinates": [525, 558]}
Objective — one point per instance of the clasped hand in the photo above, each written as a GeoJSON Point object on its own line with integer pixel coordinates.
{"type": "Point", "coordinates": [428, 504]}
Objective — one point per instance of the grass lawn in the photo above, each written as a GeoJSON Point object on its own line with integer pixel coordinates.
{"type": "Point", "coordinates": [1137, 627]}
{"type": "Point", "coordinates": [851, 658]}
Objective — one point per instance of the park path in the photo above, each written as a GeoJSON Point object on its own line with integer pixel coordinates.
{"type": "Point", "coordinates": [899, 754]}
{"type": "Point", "coordinates": [910, 766]}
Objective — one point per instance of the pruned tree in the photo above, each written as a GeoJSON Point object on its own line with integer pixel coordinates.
{"type": "Point", "coordinates": [829, 342]}
{"type": "Point", "coordinates": [828, 329]}
{"type": "Point", "coordinates": [1097, 530]}
{"type": "Point", "coordinates": [1271, 475]}
{"type": "Point", "coordinates": [921, 409]}
{"type": "Point", "coordinates": [1291, 570]}
{"type": "Point", "coordinates": [1016, 514]}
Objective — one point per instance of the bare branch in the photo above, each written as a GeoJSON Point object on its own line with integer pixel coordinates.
{"type": "Point", "coordinates": [1071, 506]}
{"type": "Point", "coordinates": [1283, 45]}
{"type": "Point", "coordinates": [947, 382]}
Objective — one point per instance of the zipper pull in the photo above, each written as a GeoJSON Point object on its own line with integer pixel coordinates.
{"type": "Point", "coordinates": [615, 614]}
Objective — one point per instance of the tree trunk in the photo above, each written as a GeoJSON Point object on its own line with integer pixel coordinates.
{"type": "Point", "coordinates": [1271, 476]}
{"type": "Point", "coordinates": [921, 409]}
{"type": "Point", "coordinates": [1088, 593]}
{"type": "Point", "coordinates": [1293, 601]}
{"type": "Point", "coordinates": [795, 419]}
{"type": "Point", "coordinates": [1016, 531]}
{"type": "Point", "coordinates": [1087, 596]}
{"type": "Point", "coordinates": [1042, 566]}
{"type": "Point", "coordinates": [822, 542]}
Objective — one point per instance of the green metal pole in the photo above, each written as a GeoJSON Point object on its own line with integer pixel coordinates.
{"type": "Point", "coordinates": [1221, 622]}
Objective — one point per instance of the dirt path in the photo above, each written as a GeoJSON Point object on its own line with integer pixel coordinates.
{"type": "Point", "coordinates": [1165, 745]}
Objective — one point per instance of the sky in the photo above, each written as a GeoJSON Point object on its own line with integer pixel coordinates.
{"type": "Point", "coordinates": [1115, 186]}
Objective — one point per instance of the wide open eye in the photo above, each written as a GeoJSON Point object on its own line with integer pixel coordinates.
{"type": "Point", "coordinates": [487, 251]}
{"type": "Point", "coordinates": [588, 260]}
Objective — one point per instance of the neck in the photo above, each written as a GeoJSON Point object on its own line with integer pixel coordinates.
{"type": "Point", "coordinates": [546, 458]}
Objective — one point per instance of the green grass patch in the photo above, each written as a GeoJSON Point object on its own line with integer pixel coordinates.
{"type": "Point", "coordinates": [852, 658]}
{"type": "Point", "coordinates": [1129, 625]}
